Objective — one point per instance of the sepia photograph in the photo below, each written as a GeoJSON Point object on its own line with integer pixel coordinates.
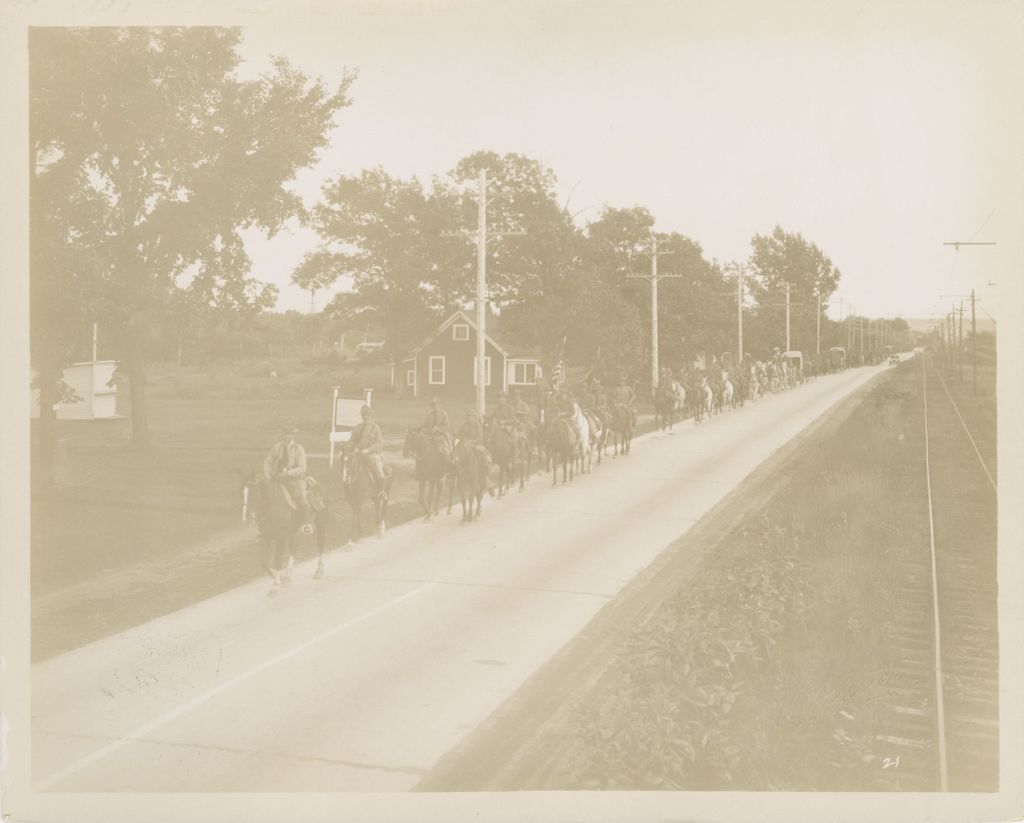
{"type": "Point", "coordinates": [465, 409]}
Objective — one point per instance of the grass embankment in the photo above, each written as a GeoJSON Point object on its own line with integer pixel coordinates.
{"type": "Point", "coordinates": [765, 666]}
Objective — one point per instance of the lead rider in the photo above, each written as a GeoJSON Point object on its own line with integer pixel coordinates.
{"type": "Point", "coordinates": [286, 464]}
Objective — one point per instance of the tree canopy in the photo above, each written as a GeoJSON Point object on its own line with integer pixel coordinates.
{"type": "Point", "coordinates": [149, 156]}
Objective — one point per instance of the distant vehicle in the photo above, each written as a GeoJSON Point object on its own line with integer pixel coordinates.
{"type": "Point", "coordinates": [837, 357]}
{"type": "Point", "coordinates": [795, 359]}
{"type": "Point", "coordinates": [894, 359]}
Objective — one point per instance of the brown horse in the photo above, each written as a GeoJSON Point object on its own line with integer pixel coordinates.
{"type": "Point", "coordinates": [563, 446]}
{"type": "Point", "coordinates": [504, 447]}
{"type": "Point", "coordinates": [472, 471]}
{"type": "Point", "coordinates": [664, 407]}
{"type": "Point", "coordinates": [621, 428]}
{"type": "Point", "coordinates": [278, 523]}
{"type": "Point", "coordinates": [360, 488]}
{"type": "Point", "coordinates": [433, 468]}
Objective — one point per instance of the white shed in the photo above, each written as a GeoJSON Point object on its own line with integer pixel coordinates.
{"type": "Point", "coordinates": [89, 381]}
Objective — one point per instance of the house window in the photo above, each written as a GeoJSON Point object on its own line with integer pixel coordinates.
{"type": "Point", "coordinates": [437, 371]}
{"type": "Point", "coordinates": [487, 371]}
{"type": "Point", "coordinates": [410, 377]}
{"type": "Point", "coordinates": [524, 374]}
{"type": "Point", "coordinates": [460, 331]}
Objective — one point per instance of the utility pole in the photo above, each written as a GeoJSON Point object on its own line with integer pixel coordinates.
{"type": "Point", "coordinates": [481, 294]}
{"type": "Point", "coordinates": [739, 314]}
{"type": "Point", "coordinates": [960, 348]}
{"type": "Point", "coordinates": [956, 244]}
{"type": "Point", "coordinates": [974, 346]}
{"type": "Point", "coordinates": [817, 293]}
{"type": "Point", "coordinates": [787, 316]}
{"type": "Point", "coordinates": [653, 278]}
{"type": "Point", "coordinates": [954, 357]}
{"type": "Point", "coordinates": [481, 286]}
{"type": "Point", "coordinates": [951, 337]}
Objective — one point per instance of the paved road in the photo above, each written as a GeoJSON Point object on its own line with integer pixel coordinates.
{"type": "Point", "coordinates": [363, 680]}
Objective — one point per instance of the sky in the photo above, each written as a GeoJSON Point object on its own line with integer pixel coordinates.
{"type": "Point", "coordinates": [878, 131]}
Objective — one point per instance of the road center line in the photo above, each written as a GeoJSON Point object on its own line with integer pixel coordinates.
{"type": "Point", "coordinates": [146, 728]}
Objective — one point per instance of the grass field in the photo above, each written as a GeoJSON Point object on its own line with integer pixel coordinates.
{"type": "Point", "coordinates": [765, 665]}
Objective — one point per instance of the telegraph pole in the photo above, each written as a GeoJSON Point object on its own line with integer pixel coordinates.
{"type": "Point", "coordinates": [817, 293]}
{"type": "Point", "coordinates": [739, 315]}
{"type": "Point", "coordinates": [653, 278]}
{"type": "Point", "coordinates": [974, 346]}
{"type": "Point", "coordinates": [787, 316]}
{"type": "Point", "coordinates": [481, 293]}
{"type": "Point", "coordinates": [481, 286]}
{"type": "Point", "coordinates": [956, 244]}
{"type": "Point", "coordinates": [951, 337]}
{"type": "Point", "coordinates": [960, 348]}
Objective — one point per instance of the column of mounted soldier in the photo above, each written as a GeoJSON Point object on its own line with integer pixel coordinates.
{"type": "Point", "coordinates": [567, 429]}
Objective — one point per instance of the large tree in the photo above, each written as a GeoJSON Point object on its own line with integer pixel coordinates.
{"type": "Point", "coordinates": [783, 258]}
{"type": "Point", "coordinates": [168, 155]}
{"type": "Point", "coordinates": [693, 303]}
{"type": "Point", "coordinates": [408, 249]}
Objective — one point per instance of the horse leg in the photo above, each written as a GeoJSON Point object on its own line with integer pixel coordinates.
{"type": "Point", "coordinates": [320, 523]}
{"type": "Point", "coordinates": [289, 562]}
{"type": "Point", "coordinates": [357, 518]}
{"type": "Point", "coordinates": [380, 509]}
{"type": "Point", "coordinates": [426, 488]}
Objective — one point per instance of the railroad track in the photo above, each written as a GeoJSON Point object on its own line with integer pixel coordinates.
{"type": "Point", "coordinates": [939, 724]}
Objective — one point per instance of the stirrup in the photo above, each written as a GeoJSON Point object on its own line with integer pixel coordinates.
{"type": "Point", "coordinates": [307, 528]}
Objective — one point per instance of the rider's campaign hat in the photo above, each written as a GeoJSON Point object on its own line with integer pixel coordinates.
{"type": "Point", "coordinates": [288, 428]}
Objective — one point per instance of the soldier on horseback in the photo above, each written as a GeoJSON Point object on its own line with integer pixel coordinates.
{"type": "Point", "coordinates": [286, 464]}
{"type": "Point", "coordinates": [625, 396]}
{"type": "Point", "coordinates": [436, 427]}
{"type": "Point", "coordinates": [366, 443]}
{"type": "Point", "coordinates": [505, 414]}
{"type": "Point", "coordinates": [471, 433]}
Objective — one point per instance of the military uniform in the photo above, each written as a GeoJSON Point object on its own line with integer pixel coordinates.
{"type": "Point", "coordinates": [367, 443]}
{"type": "Point", "coordinates": [286, 463]}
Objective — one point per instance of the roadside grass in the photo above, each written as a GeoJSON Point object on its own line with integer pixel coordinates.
{"type": "Point", "coordinates": [769, 667]}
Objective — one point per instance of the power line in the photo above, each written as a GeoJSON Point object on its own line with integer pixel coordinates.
{"type": "Point", "coordinates": [983, 224]}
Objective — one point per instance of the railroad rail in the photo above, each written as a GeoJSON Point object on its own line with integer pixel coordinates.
{"type": "Point", "coordinates": [940, 718]}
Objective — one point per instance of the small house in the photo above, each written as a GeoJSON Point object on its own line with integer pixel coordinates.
{"type": "Point", "coordinates": [445, 364]}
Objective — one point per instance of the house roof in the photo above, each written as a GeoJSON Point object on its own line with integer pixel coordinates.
{"type": "Point", "coordinates": [502, 346]}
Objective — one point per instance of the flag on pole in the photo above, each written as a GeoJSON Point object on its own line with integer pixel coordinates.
{"type": "Point", "coordinates": [558, 371]}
